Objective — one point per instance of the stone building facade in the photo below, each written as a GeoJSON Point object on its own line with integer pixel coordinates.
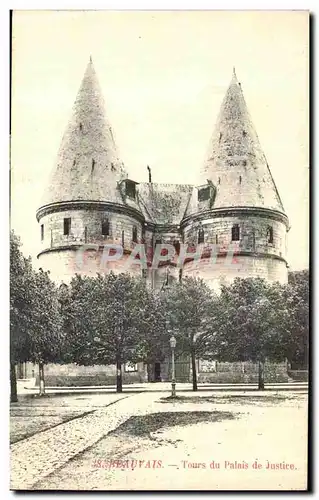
{"type": "Point", "coordinates": [91, 201]}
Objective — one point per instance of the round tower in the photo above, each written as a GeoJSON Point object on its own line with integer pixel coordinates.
{"type": "Point", "coordinates": [89, 201]}
{"type": "Point", "coordinates": [236, 214]}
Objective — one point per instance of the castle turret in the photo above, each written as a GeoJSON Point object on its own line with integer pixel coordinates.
{"type": "Point", "coordinates": [89, 199]}
{"type": "Point", "coordinates": [243, 211]}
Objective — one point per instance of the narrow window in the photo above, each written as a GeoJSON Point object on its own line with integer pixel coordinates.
{"type": "Point", "coordinates": [216, 239]}
{"type": "Point", "coordinates": [81, 127]}
{"type": "Point", "coordinates": [42, 232]}
{"type": "Point", "coordinates": [123, 239]}
{"type": "Point", "coordinates": [67, 226]}
{"type": "Point", "coordinates": [134, 234]}
{"type": "Point", "coordinates": [270, 234]}
{"type": "Point", "coordinates": [235, 233]}
{"type": "Point", "coordinates": [218, 180]}
{"type": "Point", "coordinates": [105, 227]}
{"type": "Point", "coordinates": [240, 179]}
{"type": "Point", "coordinates": [93, 164]}
{"type": "Point", "coordinates": [201, 235]}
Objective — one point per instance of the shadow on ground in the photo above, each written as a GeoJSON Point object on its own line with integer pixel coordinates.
{"type": "Point", "coordinates": [145, 424]}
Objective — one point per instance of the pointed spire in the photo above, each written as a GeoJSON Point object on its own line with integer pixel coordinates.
{"type": "Point", "coordinates": [234, 79]}
{"type": "Point", "coordinates": [88, 166]}
{"type": "Point", "coordinates": [236, 163]}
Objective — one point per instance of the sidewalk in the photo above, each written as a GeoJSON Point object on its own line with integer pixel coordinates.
{"type": "Point", "coordinates": [163, 387]}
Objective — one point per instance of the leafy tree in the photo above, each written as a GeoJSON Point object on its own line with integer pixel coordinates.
{"type": "Point", "coordinates": [154, 338]}
{"type": "Point", "coordinates": [297, 295]}
{"type": "Point", "coordinates": [188, 306]}
{"type": "Point", "coordinates": [248, 313]}
{"type": "Point", "coordinates": [20, 309]}
{"type": "Point", "coordinates": [104, 319]}
{"type": "Point", "coordinates": [34, 316]}
{"type": "Point", "coordinates": [45, 329]}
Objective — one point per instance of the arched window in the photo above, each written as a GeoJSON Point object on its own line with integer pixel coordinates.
{"type": "Point", "coordinates": [134, 234]}
{"type": "Point", "coordinates": [201, 235]}
{"type": "Point", "coordinates": [270, 235]}
{"type": "Point", "coordinates": [235, 233]}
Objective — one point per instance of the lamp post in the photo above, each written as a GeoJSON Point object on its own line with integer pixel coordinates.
{"type": "Point", "coordinates": [172, 342]}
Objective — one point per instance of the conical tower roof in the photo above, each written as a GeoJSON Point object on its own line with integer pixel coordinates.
{"type": "Point", "coordinates": [87, 166]}
{"type": "Point", "coordinates": [236, 163]}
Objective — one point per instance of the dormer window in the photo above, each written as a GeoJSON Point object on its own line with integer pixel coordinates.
{"type": "Point", "coordinates": [204, 194]}
{"type": "Point", "coordinates": [235, 233]}
{"type": "Point", "coordinates": [105, 227]}
{"type": "Point", "coordinates": [201, 236]}
{"type": "Point", "coordinates": [130, 189]}
{"type": "Point", "coordinates": [270, 235]}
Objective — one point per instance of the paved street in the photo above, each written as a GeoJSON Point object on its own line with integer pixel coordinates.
{"type": "Point", "coordinates": [225, 427]}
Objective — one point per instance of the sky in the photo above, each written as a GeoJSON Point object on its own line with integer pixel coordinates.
{"type": "Point", "coordinates": [163, 75]}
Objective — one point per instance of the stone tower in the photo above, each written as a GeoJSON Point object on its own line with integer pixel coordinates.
{"type": "Point", "coordinates": [85, 201]}
{"type": "Point", "coordinates": [243, 211]}
{"type": "Point", "coordinates": [90, 202]}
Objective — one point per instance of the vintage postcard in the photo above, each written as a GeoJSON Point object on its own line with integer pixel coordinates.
{"type": "Point", "coordinates": [159, 271]}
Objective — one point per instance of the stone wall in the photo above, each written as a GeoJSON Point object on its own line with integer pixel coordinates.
{"type": "Point", "coordinates": [74, 375]}
{"type": "Point", "coordinates": [253, 234]}
{"type": "Point", "coordinates": [261, 258]}
{"type": "Point", "coordinates": [92, 220]}
{"type": "Point", "coordinates": [63, 261]}
{"type": "Point", "coordinates": [224, 271]}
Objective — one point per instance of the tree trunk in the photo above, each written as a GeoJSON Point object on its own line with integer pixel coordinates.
{"type": "Point", "coordinates": [149, 372]}
{"type": "Point", "coordinates": [41, 380]}
{"type": "Point", "coordinates": [13, 384]}
{"type": "Point", "coordinates": [119, 387]}
{"type": "Point", "coordinates": [261, 375]}
{"type": "Point", "coordinates": [194, 370]}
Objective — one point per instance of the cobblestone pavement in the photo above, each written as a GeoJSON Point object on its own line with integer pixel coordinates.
{"type": "Point", "coordinates": [33, 414]}
{"type": "Point", "coordinates": [37, 456]}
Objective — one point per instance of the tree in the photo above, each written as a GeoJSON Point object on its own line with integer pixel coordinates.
{"type": "Point", "coordinates": [249, 313]}
{"type": "Point", "coordinates": [153, 343]}
{"type": "Point", "coordinates": [45, 329]}
{"type": "Point", "coordinates": [20, 309]}
{"type": "Point", "coordinates": [297, 295]}
{"type": "Point", "coordinates": [104, 319]}
{"type": "Point", "coordinates": [189, 311]}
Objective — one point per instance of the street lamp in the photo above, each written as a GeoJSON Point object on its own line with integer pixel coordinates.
{"type": "Point", "coordinates": [172, 342]}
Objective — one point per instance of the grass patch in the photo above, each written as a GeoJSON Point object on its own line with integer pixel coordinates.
{"type": "Point", "coordinates": [145, 424]}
